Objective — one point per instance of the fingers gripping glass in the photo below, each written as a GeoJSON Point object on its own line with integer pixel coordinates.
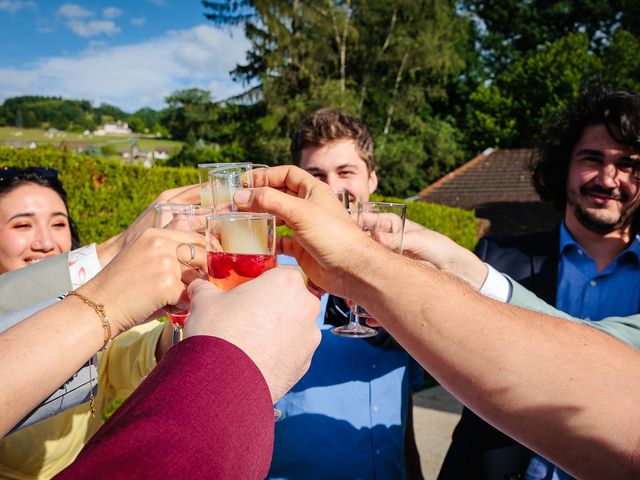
{"type": "Point", "coordinates": [185, 217]}
{"type": "Point", "coordinates": [385, 223]}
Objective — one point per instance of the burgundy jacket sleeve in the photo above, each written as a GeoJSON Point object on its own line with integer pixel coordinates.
{"type": "Point", "coordinates": [204, 412]}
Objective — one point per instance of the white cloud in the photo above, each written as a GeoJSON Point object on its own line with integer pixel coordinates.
{"type": "Point", "coordinates": [138, 75]}
{"type": "Point", "coordinates": [79, 20]}
{"type": "Point", "coordinates": [138, 21]}
{"type": "Point", "coordinates": [111, 12]}
{"type": "Point", "coordinates": [93, 27]}
{"type": "Point", "coordinates": [72, 10]}
{"type": "Point", "coordinates": [14, 5]}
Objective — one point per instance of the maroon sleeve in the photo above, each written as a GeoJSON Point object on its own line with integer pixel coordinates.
{"type": "Point", "coordinates": [204, 412]}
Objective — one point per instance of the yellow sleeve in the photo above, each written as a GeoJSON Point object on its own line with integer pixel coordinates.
{"type": "Point", "coordinates": [126, 362]}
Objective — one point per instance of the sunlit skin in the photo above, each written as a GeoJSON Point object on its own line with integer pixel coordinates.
{"type": "Point", "coordinates": [34, 224]}
{"type": "Point", "coordinates": [339, 165]}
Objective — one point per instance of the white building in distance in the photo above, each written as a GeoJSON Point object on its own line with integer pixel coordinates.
{"type": "Point", "coordinates": [118, 128]}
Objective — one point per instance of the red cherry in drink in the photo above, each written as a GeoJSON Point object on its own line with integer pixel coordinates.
{"type": "Point", "coordinates": [250, 266]}
{"type": "Point", "coordinates": [220, 264]}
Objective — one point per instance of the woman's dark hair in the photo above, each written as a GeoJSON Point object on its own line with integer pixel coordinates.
{"type": "Point", "coordinates": [14, 177]}
{"type": "Point", "coordinates": [617, 110]}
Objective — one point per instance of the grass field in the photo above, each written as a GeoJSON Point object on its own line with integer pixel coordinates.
{"type": "Point", "coordinates": [119, 142]}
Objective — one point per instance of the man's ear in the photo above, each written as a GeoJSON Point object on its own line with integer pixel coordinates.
{"type": "Point", "coordinates": [373, 182]}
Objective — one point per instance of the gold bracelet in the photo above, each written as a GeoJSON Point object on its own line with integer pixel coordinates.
{"type": "Point", "coordinates": [99, 309]}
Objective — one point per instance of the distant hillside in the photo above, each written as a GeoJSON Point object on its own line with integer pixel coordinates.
{"type": "Point", "coordinates": [73, 115]}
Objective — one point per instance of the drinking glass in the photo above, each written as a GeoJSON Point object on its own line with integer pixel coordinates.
{"type": "Point", "coordinates": [225, 181]}
{"type": "Point", "coordinates": [186, 217]}
{"type": "Point", "coordinates": [385, 223]}
{"type": "Point", "coordinates": [240, 247]}
{"type": "Point", "coordinates": [206, 198]}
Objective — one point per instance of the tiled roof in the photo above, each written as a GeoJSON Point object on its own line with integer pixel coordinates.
{"type": "Point", "coordinates": [499, 176]}
{"type": "Point", "coordinates": [497, 185]}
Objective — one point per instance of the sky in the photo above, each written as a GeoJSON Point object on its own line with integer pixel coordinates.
{"type": "Point", "coordinates": [130, 54]}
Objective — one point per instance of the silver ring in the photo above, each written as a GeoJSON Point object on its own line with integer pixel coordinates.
{"type": "Point", "coordinates": [192, 249]}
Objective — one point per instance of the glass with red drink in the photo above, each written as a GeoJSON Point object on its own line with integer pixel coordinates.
{"type": "Point", "coordinates": [186, 217]}
{"type": "Point", "coordinates": [240, 247]}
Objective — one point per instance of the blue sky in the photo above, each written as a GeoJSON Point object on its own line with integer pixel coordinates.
{"type": "Point", "coordinates": [128, 53]}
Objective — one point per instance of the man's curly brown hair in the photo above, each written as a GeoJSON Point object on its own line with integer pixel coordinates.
{"type": "Point", "coordinates": [617, 110]}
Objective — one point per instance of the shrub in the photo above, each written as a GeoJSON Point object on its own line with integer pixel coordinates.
{"type": "Point", "coordinates": [455, 223]}
{"type": "Point", "coordinates": [105, 196]}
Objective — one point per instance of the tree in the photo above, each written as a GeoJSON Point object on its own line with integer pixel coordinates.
{"type": "Point", "coordinates": [136, 124]}
{"type": "Point", "coordinates": [190, 110]}
{"type": "Point", "coordinates": [387, 62]}
{"type": "Point", "coordinates": [510, 29]}
{"type": "Point", "coordinates": [512, 110]}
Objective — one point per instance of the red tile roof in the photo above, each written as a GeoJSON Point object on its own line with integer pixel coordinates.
{"type": "Point", "coordinates": [499, 176]}
{"type": "Point", "coordinates": [497, 185]}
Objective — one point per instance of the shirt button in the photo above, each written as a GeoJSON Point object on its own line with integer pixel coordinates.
{"type": "Point", "coordinates": [580, 252]}
{"type": "Point", "coordinates": [377, 452]}
{"type": "Point", "coordinates": [593, 283]}
{"type": "Point", "coordinates": [373, 366]}
{"type": "Point", "coordinates": [376, 408]}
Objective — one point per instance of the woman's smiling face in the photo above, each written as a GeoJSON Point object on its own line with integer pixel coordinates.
{"type": "Point", "coordinates": [34, 224]}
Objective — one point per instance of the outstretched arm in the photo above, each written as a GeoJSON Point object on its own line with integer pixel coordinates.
{"type": "Point", "coordinates": [41, 352]}
{"type": "Point", "coordinates": [567, 391]}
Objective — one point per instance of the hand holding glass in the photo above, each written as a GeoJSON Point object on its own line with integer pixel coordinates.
{"type": "Point", "coordinates": [385, 223]}
{"type": "Point", "coordinates": [185, 217]}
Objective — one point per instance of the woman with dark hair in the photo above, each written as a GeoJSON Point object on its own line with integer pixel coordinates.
{"type": "Point", "coordinates": [34, 217]}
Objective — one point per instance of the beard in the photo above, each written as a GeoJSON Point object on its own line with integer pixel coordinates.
{"type": "Point", "coordinates": [588, 216]}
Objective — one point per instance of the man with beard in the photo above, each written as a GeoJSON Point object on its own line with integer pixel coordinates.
{"type": "Point", "coordinates": [587, 266]}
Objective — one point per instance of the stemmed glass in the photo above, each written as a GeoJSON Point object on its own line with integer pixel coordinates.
{"type": "Point", "coordinates": [385, 223]}
{"type": "Point", "coordinates": [185, 217]}
{"type": "Point", "coordinates": [206, 197]}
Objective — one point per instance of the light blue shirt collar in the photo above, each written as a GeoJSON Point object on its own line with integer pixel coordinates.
{"type": "Point", "coordinates": [568, 243]}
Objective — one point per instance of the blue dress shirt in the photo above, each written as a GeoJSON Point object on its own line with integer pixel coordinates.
{"type": "Point", "coordinates": [346, 417]}
{"type": "Point", "coordinates": [585, 293]}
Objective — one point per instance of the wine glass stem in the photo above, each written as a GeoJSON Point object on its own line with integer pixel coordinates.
{"type": "Point", "coordinates": [177, 334]}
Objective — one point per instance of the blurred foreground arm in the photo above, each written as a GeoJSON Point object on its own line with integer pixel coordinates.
{"type": "Point", "coordinates": [206, 411]}
{"type": "Point", "coordinates": [530, 375]}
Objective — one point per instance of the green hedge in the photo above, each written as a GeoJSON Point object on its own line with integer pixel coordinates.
{"type": "Point", "coordinates": [105, 196]}
{"type": "Point", "coordinates": [455, 223]}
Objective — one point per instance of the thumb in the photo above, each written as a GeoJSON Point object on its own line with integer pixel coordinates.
{"type": "Point", "coordinates": [269, 200]}
{"type": "Point", "coordinates": [201, 289]}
